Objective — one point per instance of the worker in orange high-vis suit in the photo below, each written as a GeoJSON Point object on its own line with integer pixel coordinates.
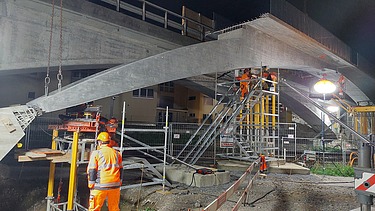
{"type": "Point", "coordinates": [104, 173]}
{"type": "Point", "coordinates": [263, 164]}
{"type": "Point", "coordinates": [245, 80]}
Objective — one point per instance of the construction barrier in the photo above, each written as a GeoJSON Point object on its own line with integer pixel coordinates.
{"type": "Point", "coordinates": [219, 201]}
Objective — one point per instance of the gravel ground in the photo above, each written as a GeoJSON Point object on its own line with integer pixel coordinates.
{"type": "Point", "coordinates": [274, 192]}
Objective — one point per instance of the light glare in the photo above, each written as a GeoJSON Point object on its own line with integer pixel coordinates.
{"type": "Point", "coordinates": [332, 109]}
{"type": "Point", "coordinates": [324, 86]}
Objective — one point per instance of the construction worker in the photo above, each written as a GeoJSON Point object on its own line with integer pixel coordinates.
{"type": "Point", "coordinates": [104, 173]}
{"type": "Point", "coordinates": [263, 163]}
{"type": "Point", "coordinates": [245, 80]}
{"type": "Point", "coordinates": [271, 77]}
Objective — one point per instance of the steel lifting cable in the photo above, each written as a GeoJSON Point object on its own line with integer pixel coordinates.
{"type": "Point", "coordinates": [47, 79]}
{"type": "Point", "coordinates": [59, 75]}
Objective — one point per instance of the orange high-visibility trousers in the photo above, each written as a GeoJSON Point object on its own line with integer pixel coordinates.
{"type": "Point", "coordinates": [97, 198]}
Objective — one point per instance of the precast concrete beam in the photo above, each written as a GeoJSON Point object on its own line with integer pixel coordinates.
{"type": "Point", "coordinates": [245, 47]}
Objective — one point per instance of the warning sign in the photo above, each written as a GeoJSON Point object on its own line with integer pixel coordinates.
{"type": "Point", "coordinates": [366, 183]}
{"type": "Point", "coordinates": [226, 138]}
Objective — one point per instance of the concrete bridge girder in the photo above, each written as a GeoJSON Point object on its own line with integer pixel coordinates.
{"type": "Point", "coordinates": [246, 47]}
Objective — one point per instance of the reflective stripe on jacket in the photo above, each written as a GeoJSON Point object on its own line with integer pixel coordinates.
{"type": "Point", "coordinates": [105, 168]}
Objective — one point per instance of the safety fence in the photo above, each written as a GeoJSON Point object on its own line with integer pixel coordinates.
{"type": "Point", "coordinates": [38, 134]}
{"type": "Point", "coordinates": [219, 201]}
{"type": "Point", "coordinates": [179, 135]}
{"type": "Point", "coordinates": [190, 23]}
{"type": "Point", "coordinates": [312, 150]}
{"type": "Point", "coordinates": [290, 147]}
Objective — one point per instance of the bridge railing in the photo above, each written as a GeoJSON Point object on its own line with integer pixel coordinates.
{"type": "Point", "coordinates": [196, 28]}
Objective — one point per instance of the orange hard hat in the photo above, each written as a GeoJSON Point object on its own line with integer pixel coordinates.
{"type": "Point", "coordinates": [104, 137]}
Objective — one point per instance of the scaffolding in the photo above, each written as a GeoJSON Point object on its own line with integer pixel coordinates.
{"type": "Point", "coordinates": [76, 141]}
{"type": "Point", "coordinates": [246, 125]}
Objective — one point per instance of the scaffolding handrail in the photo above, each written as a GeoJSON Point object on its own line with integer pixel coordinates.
{"type": "Point", "coordinates": [206, 139]}
{"type": "Point", "coordinates": [226, 124]}
{"type": "Point", "coordinates": [226, 109]}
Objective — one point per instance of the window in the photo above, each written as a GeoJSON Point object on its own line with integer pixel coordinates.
{"type": "Point", "coordinates": [167, 87]}
{"type": "Point", "coordinates": [162, 116]}
{"type": "Point", "coordinates": [143, 93]}
{"type": "Point", "coordinates": [192, 98]}
{"type": "Point", "coordinates": [165, 101]}
{"type": "Point", "coordinates": [209, 120]}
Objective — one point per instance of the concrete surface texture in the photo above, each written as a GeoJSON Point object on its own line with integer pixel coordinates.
{"type": "Point", "coordinates": [189, 176]}
{"type": "Point", "coordinates": [93, 36]}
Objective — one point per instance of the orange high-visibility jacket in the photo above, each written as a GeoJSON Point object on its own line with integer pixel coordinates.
{"type": "Point", "coordinates": [244, 84]}
{"type": "Point", "coordinates": [104, 170]}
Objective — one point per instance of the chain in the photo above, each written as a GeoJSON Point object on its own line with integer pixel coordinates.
{"type": "Point", "coordinates": [59, 75]}
{"type": "Point", "coordinates": [47, 79]}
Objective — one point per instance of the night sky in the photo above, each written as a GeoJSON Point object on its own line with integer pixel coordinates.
{"type": "Point", "coordinates": [353, 21]}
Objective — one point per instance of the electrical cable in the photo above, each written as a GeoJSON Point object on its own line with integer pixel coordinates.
{"type": "Point", "coordinates": [213, 195]}
{"type": "Point", "coordinates": [45, 131]}
{"type": "Point", "coordinates": [192, 179]}
{"type": "Point", "coordinates": [252, 203]}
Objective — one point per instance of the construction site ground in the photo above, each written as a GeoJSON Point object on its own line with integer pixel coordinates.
{"type": "Point", "coordinates": [24, 188]}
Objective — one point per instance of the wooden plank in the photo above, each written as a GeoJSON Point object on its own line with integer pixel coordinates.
{"type": "Point", "coordinates": [24, 158]}
{"type": "Point", "coordinates": [58, 158]}
{"type": "Point", "coordinates": [62, 158]}
{"type": "Point", "coordinates": [35, 155]}
{"type": "Point", "coordinates": [46, 151]}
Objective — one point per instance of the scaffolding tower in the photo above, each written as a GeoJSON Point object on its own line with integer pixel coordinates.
{"type": "Point", "coordinates": [245, 125]}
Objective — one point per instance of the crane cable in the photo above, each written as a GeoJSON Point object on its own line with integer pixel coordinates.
{"type": "Point", "coordinates": [47, 79]}
{"type": "Point", "coordinates": [59, 74]}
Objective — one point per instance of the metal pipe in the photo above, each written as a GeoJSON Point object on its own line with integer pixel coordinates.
{"type": "Point", "coordinates": [73, 172]}
{"type": "Point", "coordinates": [266, 111]}
{"type": "Point", "coordinates": [122, 127]}
{"type": "Point", "coordinates": [51, 176]}
{"type": "Point", "coordinates": [118, 5]}
{"type": "Point", "coordinates": [144, 10]}
{"type": "Point", "coordinates": [165, 146]}
{"type": "Point", "coordinates": [166, 19]}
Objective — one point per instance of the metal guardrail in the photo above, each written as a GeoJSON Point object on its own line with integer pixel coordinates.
{"type": "Point", "coordinates": [166, 19]}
